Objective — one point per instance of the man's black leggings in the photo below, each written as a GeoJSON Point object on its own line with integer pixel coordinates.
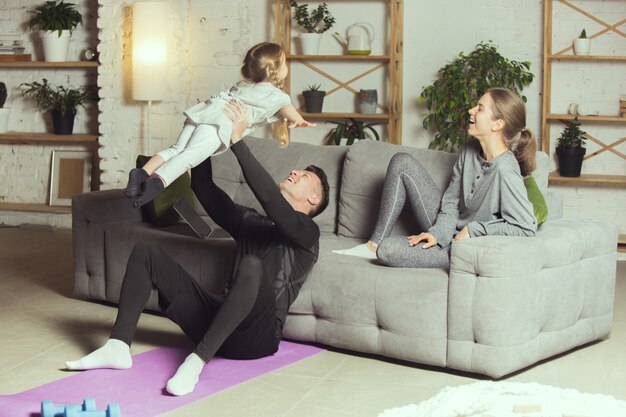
{"type": "Point", "coordinates": [241, 325]}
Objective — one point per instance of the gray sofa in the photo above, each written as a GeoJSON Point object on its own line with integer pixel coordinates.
{"type": "Point", "coordinates": [506, 302]}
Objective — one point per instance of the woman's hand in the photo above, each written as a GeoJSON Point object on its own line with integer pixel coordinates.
{"type": "Point", "coordinates": [415, 239]}
{"type": "Point", "coordinates": [302, 123]}
{"type": "Point", "coordinates": [238, 113]}
{"type": "Point", "coordinates": [463, 234]}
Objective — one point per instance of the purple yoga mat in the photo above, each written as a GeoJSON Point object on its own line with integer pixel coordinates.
{"type": "Point", "coordinates": [140, 389]}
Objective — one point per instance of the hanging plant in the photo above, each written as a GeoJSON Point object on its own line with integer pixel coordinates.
{"type": "Point", "coordinates": [460, 85]}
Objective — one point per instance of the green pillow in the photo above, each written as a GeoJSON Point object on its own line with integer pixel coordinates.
{"type": "Point", "coordinates": [160, 211]}
{"type": "Point", "coordinates": [540, 208]}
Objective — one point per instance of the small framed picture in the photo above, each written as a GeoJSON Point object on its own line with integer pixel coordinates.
{"type": "Point", "coordinates": [70, 174]}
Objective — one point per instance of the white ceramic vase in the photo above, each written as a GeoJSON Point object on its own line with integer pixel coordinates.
{"type": "Point", "coordinates": [310, 43]}
{"type": "Point", "coordinates": [582, 46]}
{"type": "Point", "coordinates": [4, 119]}
{"type": "Point", "coordinates": [54, 46]}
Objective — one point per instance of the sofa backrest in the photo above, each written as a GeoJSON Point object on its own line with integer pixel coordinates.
{"type": "Point", "coordinates": [363, 178]}
{"type": "Point", "coordinates": [355, 174]}
{"type": "Point", "coordinates": [279, 162]}
{"type": "Point", "coordinates": [362, 184]}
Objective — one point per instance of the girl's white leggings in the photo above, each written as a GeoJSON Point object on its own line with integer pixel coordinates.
{"type": "Point", "coordinates": [195, 144]}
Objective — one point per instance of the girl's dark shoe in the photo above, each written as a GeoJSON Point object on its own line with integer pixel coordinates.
{"type": "Point", "coordinates": [153, 186]}
{"type": "Point", "coordinates": [136, 177]}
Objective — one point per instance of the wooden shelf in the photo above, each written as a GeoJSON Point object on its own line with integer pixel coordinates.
{"type": "Point", "coordinates": [26, 137]}
{"type": "Point", "coordinates": [360, 116]}
{"type": "Point", "coordinates": [44, 64]}
{"type": "Point", "coordinates": [389, 67]}
{"type": "Point", "coordinates": [587, 57]}
{"type": "Point", "coordinates": [339, 57]}
{"type": "Point", "coordinates": [618, 119]}
{"type": "Point", "coordinates": [621, 243]}
{"type": "Point", "coordinates": [34, 208]}
{"type": "Point", "coordinates": [619, 180]}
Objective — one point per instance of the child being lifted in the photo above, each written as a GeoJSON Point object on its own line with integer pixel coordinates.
{"type": "Point", "coordinates": [207, 129]}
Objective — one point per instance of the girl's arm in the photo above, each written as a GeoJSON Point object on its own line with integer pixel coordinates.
{"type": "Point", "coordinates": [290, 112]}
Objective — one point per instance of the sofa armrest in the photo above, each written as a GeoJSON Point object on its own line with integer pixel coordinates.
{"type": "Point", "coordinates": [92, 214]}
{"type": "Point", "coordinates": [509, 296]}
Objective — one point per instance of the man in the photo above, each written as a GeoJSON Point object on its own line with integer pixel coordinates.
{"type": "Point", "coordinates": [274, 256]}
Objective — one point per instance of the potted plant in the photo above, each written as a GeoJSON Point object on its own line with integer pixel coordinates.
{"type": "Point", "coordinates": [460, 85]}
{"type": "Point", "coordinates": [62, 102]}
{"type": "Point", "coordinates": [313, 98]}
{"type": "Point", "coordinates": [55, 21]}
{"type": "Point", "coordinates": [582, 44]}
{"type": "Point", "coordinates": [4, 112]}
{"type": "Point", "coordinates": [347, 132]}
{"type": "Point", "coordinates": [314, 23]}
{"type": "Point", "coordinates": [570, 149]}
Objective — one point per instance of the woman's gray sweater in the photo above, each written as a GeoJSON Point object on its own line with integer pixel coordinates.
{"type": "Point", "coordinates": [489, 197]}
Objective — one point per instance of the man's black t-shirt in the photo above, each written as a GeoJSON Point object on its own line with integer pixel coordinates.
{"type": "Point", "coordinates": [286, 240]}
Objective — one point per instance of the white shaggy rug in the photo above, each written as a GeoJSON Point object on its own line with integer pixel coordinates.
{"type": "Point", "coordinates": [511, 399]}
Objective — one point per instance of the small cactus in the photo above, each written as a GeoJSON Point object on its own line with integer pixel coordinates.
{"type": "Point", "coordinates": [583, 34]}
{"type": "Point", "coordinates": [3, 94]}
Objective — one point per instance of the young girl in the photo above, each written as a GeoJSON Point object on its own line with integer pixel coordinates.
{"type": "Point", "coordinates": [207, 129]}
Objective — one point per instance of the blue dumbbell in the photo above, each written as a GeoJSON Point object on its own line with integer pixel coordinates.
{"type": "Point", "coordinates": [48, 409]}
{"type": "Point", "coordinates": [113, 410]}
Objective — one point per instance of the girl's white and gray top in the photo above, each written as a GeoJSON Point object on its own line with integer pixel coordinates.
{"type": "Point", "coordinates": [489, 197]}
{"type": "Point", "coordinates": [263, 99]}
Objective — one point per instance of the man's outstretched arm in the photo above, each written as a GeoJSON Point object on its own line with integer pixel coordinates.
{"type": "Point", "coordinates": [297, 226]}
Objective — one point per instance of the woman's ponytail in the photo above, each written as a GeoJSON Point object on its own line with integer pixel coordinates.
{"type": "Point", "coordinates": [526, 151]}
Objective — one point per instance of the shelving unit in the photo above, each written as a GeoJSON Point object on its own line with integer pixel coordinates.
{"type": "Point", "coordinates": [392, 109]}
{"type": "Point", "coordinates": [566, 55]}
{"type": "Point", "coordinates": [18, 138]}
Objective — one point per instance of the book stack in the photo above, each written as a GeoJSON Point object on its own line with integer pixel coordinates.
{"type": "Point", "coordinates": [622, 105]}
{"type": "Point", "coordinates": [12, 49]}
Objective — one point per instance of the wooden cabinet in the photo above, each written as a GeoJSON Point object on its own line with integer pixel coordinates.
{"type": "Point", "coordinates": [391, 106]}
{"type": "Point", "coordinates": [90, 140]}
{"type": "Point", "coordinates": [566, 57]}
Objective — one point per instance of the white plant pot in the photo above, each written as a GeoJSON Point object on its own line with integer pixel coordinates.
{"type": "Point", "coordinates": [55, 47]}
{"type": "Point", "coordinates": [582, 46]}
{"type": "Point", "coordinates": [310, 43]}
{"type": "Point", "coordinates": [4, 119]}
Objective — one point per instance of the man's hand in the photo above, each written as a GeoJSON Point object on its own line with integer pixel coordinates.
{"type": "Point", "coordinates": [415, 239]}
{"type": "Point", "coordinates": [463, 234]}
{"type": "Point", "coordinates": [302, 123]}
{"type": "Point", "coordinates": [238, 113]}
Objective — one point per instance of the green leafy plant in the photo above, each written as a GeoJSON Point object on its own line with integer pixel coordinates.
{"type": "Point", "coordinates": [583, 34]}
{"type": "Point", "coordinates": [318, 21]}
{"type": "Point", "coordinates": [313, 87]}
{"type": "Point", "coordinates": [55, 16]}
{"type": "Point", "coordinates": [49, 97]}
{"type": "Point", "coordinates": [351, 129]}
{"type": "Point", "coordinates": [460, 85]}
{"type": "Point", "coordinates": [3, 94]}
{"type": "Point", "coordinates": [572, 137]}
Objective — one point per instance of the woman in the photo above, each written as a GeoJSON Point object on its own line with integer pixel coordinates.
{"type": "Point", "coordinates": [486, 194]}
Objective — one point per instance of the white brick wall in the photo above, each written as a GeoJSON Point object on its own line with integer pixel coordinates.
{"type": "Point", "coordinates": [209, 39]}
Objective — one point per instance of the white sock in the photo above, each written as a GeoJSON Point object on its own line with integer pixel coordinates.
{"type": "Point", "coordinates": [114, 354]}
{"type": "Point", "coordinates": [361, 251]}
{"type": "Point", "coordinates": [186, 377]}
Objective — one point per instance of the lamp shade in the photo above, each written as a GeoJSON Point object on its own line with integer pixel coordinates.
{"type": "Point", "coordinates": [149, 50]}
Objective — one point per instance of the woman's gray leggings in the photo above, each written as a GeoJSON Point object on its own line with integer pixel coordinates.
{"type": "Point", "coordinates": [407, 178]}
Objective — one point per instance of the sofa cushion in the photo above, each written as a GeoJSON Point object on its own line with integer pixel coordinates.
{"type": "Point", "coordinates": [358, 304]}
{"type": "Point", "coordinates": [362, 184]}
{"type": "Point", "coordinates": [279, 161]}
